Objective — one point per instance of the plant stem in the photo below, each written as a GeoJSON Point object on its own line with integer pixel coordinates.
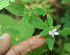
{"type": "Point", "coordinates": [62, 48]}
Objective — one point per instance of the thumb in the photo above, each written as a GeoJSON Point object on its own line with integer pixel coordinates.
{"type": "Point", "coordinates": [5, 41]}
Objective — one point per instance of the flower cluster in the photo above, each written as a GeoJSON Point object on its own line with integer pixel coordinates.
{"type": "Point", "coordinates": [53, 32]}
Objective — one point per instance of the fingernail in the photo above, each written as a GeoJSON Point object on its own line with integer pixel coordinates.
{"type": "Point", "coordinates": [3, 36]}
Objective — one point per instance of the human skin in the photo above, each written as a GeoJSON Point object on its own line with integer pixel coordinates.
{"type": "Point", "coordinates": [21, 48]}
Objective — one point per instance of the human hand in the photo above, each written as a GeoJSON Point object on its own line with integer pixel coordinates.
{"type": "Point", "coordinates": [21, 48]}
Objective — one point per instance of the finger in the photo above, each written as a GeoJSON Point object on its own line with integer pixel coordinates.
{"type": "Point", "coordinates": [5, 43]}
{"type": "Point", "coordinates": [26, 46]}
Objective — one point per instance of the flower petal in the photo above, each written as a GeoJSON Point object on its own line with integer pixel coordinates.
{"type": "Point", "coordinates": [54, 30]}
{"type": "Point", "coordinates": [56, 33]}
{"type": "Point", "coordinates": [52, 35]}
{"type": "Point", "coordinates": [50, 32]}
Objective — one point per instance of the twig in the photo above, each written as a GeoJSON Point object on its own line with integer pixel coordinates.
{"type": "Point", "coordinates": [62, 48]}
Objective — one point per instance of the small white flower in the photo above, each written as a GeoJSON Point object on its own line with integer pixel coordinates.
{"type": "Point", "coordinates": [53, 32]}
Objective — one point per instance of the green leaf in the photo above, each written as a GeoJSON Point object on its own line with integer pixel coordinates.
{"type": "Point", "coordinates": [46, 21]}
{"type": "Point", "coordinates": [12, 0]}
{"type": "Point", "coordinates": [26, 29]}
{"type": "Point", "coordinates": [67, 47]}
{"type": "Point", "coordinates": [8, 25]}
{"type": "Point", "coordinates": [4, 3]}
{"type": "Point", "coordinates": [6, 20]}
{"type": "Point", "coordinates": [64, 54]}
{"type": "Point", "coordinates": [10, 30]}
{"type": "Point", "coordinates": [13, 31]}
{"type": "Point", "coordinates": [50, 41]}
{"type": "Point", "coordinates": [13, 41]}
{"type": "Point", "coordinates": [44, 32]}
{"type": "Point", "coordinates": [57, 27]}
{"type": "Point", "coordinates": [50, 20]}
{"type": "Point", "coordinates": [27, 0]}
{"type": "Point", "coordinates": [25, 19]}
{"type": "Point", "coordinates": [39, 11]}
{"type": "Point", "coordinates": [17, 7]}
{"type": "Point", "coordinates": [16, 30]}
{"type": "Point", "coordinates": [52, 11]}
{"type": "Point", "coordinates": [65, 31]}
{"type": "Point", "coordinates": [0, 0]}
{"type": "Point", "coordinates": [37, 22]}
{"type": "Point", "coordinates": [67, 24]}
{"type": "Point", "coordinates": [64, 19]}
{"type": "Point", "coordinates": [65, 1]}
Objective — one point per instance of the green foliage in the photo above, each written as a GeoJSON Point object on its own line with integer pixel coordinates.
{"type": "Point", "coordinates": [19, 8]}
{"type": "Point", "coordinates": [37, 22]}
{"type": "Point", "coordinates": [0, 31]}
{"type": "Point", "coordinates": [26, 0]}
{"type": "Point", "coordinates": [50, 41]}
{"type": "Point", "coordinates": [65, 1]}
{"type": "Point", "coordinates": [11, 30]}
{"type": "Point", "coordinates": [25, 19]}
{"type": "Point", "coordinates": [66, 20]}
{"type": "Point", "coordinates": [39, 11]}
{"type": "Point", "coordinates": [18, 31]}
{"type": "Point", "coordinates": [44, 32]}
{"type": "Point", "coordinates": [0, 0]}
{"type": "Point", "coordinates": [26, 30]}
{"type": "Point", "coordinates": [65, 31]}
{"type": "Point", "coordinates": [57, 27]}
{"type": "Point", "coordinates": [6, 20]}
{"type": "Point", "coordinates": [50, 20]}
{"type": "Point", "coordinates": [42, 4]}
{"type": "Point", "coordinates": [46, 21]}
{"type": "Point", "coordinates": [25, 27]}
{"type": "Point", "coordinates": [66, 47]}
{"type": "Point", "coordinates": [5, 3]}
{"type": "Point", "coordinates": [12, 0]}
{"type": "Point", "coordinates": [38, 51]}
